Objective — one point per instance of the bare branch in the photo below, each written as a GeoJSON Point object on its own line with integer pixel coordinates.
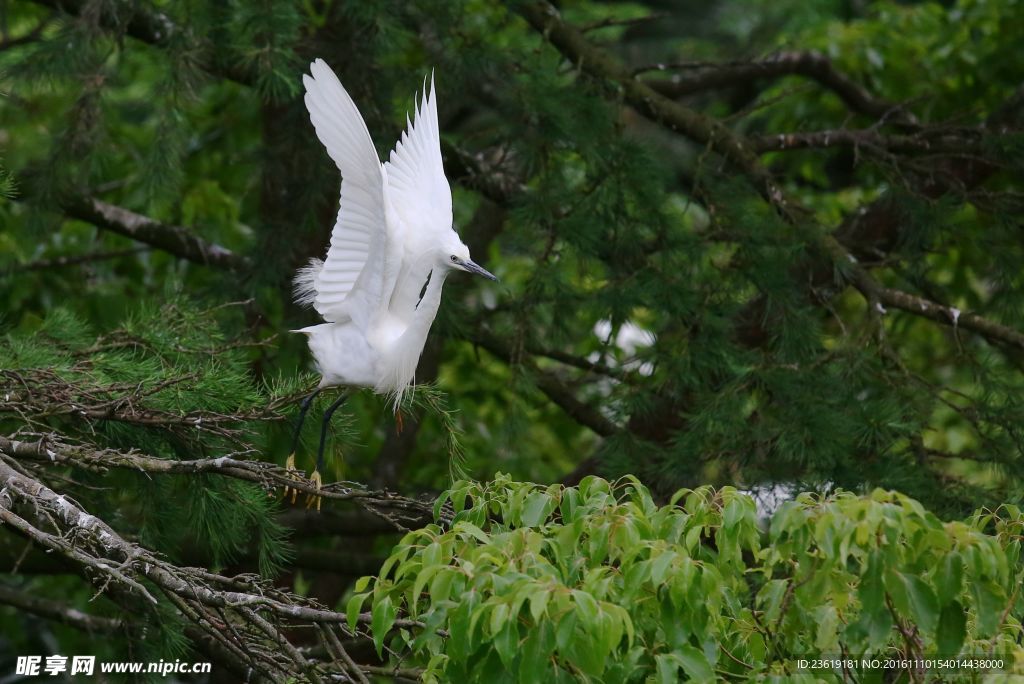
{"type": "Point", "coordinates": [175, 240]}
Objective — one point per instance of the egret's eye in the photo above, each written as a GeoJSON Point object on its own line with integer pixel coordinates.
{"type": "Point", "coordinates": [455, 259]}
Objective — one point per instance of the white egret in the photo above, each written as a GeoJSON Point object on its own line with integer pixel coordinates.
{"type": "Point", "coordinates": [391, 249]}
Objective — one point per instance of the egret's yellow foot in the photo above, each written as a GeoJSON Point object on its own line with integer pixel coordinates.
{"type": "Point", "coordinates": [314, 498]}
{"type": "Point", "coordinates": [289, 465]}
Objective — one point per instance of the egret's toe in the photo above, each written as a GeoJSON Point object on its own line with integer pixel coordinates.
{"type": "Point", "coordinates": [289, 466]}
{"type": "Point", "coordinates": [315, 498]}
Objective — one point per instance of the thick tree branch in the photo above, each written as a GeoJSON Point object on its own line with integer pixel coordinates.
{"type": "Point", "coordinates": [811, 64]}
{"type": "Point", "coordinates": [866, 138]}
{"type": "Point", "coordinates": [947, 315]}
{"type": "Point", "coordinates": [175, 240]}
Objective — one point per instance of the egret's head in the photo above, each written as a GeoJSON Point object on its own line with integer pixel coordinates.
{"type": "Point", "coordinates": [456, 257]}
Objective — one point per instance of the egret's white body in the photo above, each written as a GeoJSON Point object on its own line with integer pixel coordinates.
{"type": "Point", "coordinates": [393, 234]}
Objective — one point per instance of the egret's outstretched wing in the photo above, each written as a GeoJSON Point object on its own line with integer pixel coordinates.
{"type": "Point", "coordinates": [419, 193]}
{"type": "Point", "coordinates": [350, 282]}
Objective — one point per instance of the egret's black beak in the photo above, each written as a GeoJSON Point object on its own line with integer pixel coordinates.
{"type": "Point", "coordinates": [477, 269]}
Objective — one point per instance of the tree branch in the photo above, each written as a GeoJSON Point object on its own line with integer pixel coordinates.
{"type": "Point", "coordinates": [947, 315]}
{"type": "Point", "coordinates": [402, 513]}
{"type": "Point", "coordinates": [866, 138]}
{"type": "Point", "coordinates": [555, 390]}
{"type": "Point", "coordinates": [59, 612]}
{"type": "Point", "coordinates": [150, 26]}
{"type": "Point", "coordinates": [76, 259]}
{"type": "Point", "coordinates": [245, 615]}
{"type": "Point", "coordinates": [699, 127]}
{"type": "Point", "coordinates": [810, 63]}
{"type": "Point", "coordinates": [175, 240]}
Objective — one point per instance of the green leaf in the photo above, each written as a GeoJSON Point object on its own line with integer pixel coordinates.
{"type": "Point", "coordinates": [383, 618]}
{"type": "Point", "coordinates": [536, 650]}
{"type": "Point", "coordinates": [828, 623]}
{"type": "Point", "coordinates": [566, 631]}
{"type": "Point", "coordinates": [506, 642]}
{"type": "Point", "coordinates": [441, 586]}
{"type": "Point", "coordinates": [499, 616]}
{"type": "Point", "coordinates": [695, 664]}
{"type": "Point", "coordinates": [431, 555]}
{"type": "Point", "coordinates": [949, 578]}
{"type": "Point", "coordinates": [988, 606]}
{"type": "Point", "coordinates": [539, 603]}
{"type": "Point", "coordinates": [924, 607]}
{"type": "Point", "coordinates": [535, 509]}
{"type": "Point", "coordinates": [466, 527]}
{"type": "Point", "coordinates": [660, 565]}
{"type": "Point", "coordinates": [733, 514]}
{"type": "Point", "coordinates": [667, 668]}
{"type": "Point", "coordinates": [951, 631]}
{"type": "Point", "coordinates": [770, 598]}
{"type": "Point", "coordinates": [354, 608]}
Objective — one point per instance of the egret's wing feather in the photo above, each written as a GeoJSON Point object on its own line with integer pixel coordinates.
{"type": "Point", "coordinates": [416, 182]}
{"type": "Point", "coordinates": [350, 283]}
{"type": "Point", "coordinates": [418, 191]}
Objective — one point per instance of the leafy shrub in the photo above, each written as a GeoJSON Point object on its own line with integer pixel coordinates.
{"type": "Point", "coordinates": [599, 583]}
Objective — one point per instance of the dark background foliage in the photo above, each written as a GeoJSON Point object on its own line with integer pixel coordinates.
{"type": "Point", "coordinates": [769, 245]}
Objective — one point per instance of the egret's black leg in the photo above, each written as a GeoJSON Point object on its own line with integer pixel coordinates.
{"type": "Point", "coordinates": [323, 428]}
{"type": "Point", "coordinates": [289, 463]}
{"type": "Point", "coordinates": [320, 449]}
{"type": "Point", "coordinates": [303, 410]}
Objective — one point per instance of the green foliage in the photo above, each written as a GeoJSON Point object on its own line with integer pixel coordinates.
{"type": "Point", "coordinates": [167, 384]}
{"type": "Point", "coordinates": [429, 398]}
{"type": "Point", "coordinates": [645, 287]}
{"type": "Point", "coordinates": [599, 583]}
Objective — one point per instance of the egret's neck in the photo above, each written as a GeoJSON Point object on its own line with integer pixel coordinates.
{"type": "Point", "coordinates": [398, 364]}
{"type": "Point", "coordinates": [426, 310]}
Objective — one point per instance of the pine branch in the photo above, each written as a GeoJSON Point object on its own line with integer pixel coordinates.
{"type": "Point", "coordinates": [947, 315]}
{"type": "Point", "coordinates": [245, 615]}
{"type": "Point", "coordinates": [59, 612]}
{"type": "Point", "coordinates": [699, 127]}
{"type": "Point", "coordinates": [866, 138]}
{"type": "Point", "coordinates": [151, 26]}
{"type": "Point", "coordinates": [811, 64]}
{"type": "Point", "coordinates": [76, 259]}
{"type": "Point", "coordinates": [402, 513]}
{"type": "Point", "coordinates": [32, 36]}
{"type": "Point", "coordinates": [476, 173]}
{"type": "Point", "coordinates": [551, 386]}
{"type": "Point", "coordinates": [741, 154]}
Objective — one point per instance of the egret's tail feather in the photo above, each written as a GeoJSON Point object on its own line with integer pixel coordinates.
{"type": "Point", "coordinates": [304, 284]}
